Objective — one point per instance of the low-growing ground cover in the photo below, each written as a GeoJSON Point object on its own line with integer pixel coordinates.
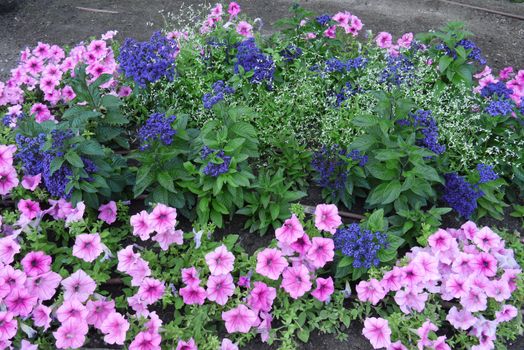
{"type": "Point", "coordinates": [120, 160]}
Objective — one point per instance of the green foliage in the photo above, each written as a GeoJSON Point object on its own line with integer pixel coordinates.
{"type": "Point", "coordinates": [268, 204]}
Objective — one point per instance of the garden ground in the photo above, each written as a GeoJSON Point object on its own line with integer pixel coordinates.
{"type": "Point", "coordinates": [65, 22]}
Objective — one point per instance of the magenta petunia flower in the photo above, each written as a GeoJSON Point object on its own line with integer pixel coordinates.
{"type": "Point", "coordinates": [8, 180]}
{"type": "Point", "coordinates": [324, 289]}
{"type": "Point", "coordinates": [186, 345]}
{"type": "Point", "coordinates": [20, 302]}
{"type": "Point", "coordinates": [71, 335]}
{"type": "Point", "coordinates": [457, 286]}
{"type": "Point", "coordinates": [36, 263]}
{"type": "Point", "coordinates": [486, 239]}
{"type": "Point", "coordinates": [377, 331]}
{"type": "Point", "coordinates": [163, 218]}
{"type": "Point", "coordinates": [397, 346]}
{"type": "Point", "coordinates": [484, 264]}
{"type": "Point", "coordinates": [41, 112]}
{"type": "Point", "coordinates": [31, 182]}
{"type": "Point", "coordinates": [190, 276]}
{"type": "Point", "coordinates": [462, 319]}
{"type": "Point", "coordinates": [296, 281]}
{"type": "Point", "coordinates": [146, 341]}
{"type": "Point", "coordinates": [151, 290]}
{"type": "Point", "coordinates": [107, 212]}
{"type": "Point", "coordinates": [327, 218]}
{"type": "Point", "coordinates": [412, 274]}
{"type": "Point", "coordinates": [301, 245]}
{"type": "Point", "coordinates": [114, 327]}
{"type": "Point", "coordinates": [331, 32]}
{"type": "Point", "coordinates": [240, 319]}
{"type": "Point", "coordinates": [88, 246]}
{"type": "Point", "coordinates": [440, 343]}
{"type": "Point", "coordinates": [290, 231]}
{"type": "Point", "coordinates": [409, 299]}
{"type": "Point", "coordinates": [233, 9]}
{"type": "Point", "coordinates": [139, 270]}
{"type": "Point", "coordinates": [391, 280]}
{"type": "Point", "coordinates": [261, 297]}
{"type": "Point", "coordinates": [6, 155]}
{"type": "Point", "coordinates": [72, 310]}
{"type": "Point", "coordinates": [405, 40]}
{"type": "Point", "coordinates": [384, 40]}
{"type": "Point", "coordinates": [78, 286]}
{"type": "Point", "coordinates": [8, 325]}
{"type": "Point", "coordinates": [220, 261]}
{"type": "Point", "coordinates": [244, 29]}
{"type": "Point", "coordinates": [138, 305]}
{"type": "Point", "coordinates": [371, 291]}
{"type": "Point", "coordinates": [29, 208]}
{"type": "Point", "coordinates": [322, 251]}
{"type": "Point", "coordinates": [193, 294]}
{"type": "Point", "coordinates": [220, 288]}
{"type": "Point", "coordinates": [271, 263]}
{"type": "Point", "coordinates": [98, 311]}
{"type": "Point", "coordinates": [440, 241]}
{"type": "Point", "coordinates": [142, 226]}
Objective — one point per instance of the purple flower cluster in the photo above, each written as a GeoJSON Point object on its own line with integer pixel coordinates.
{"type": "Point", "coordinates": [291, 53]}
{"type": "Point", "coordinates": [332, 166]}
{"type": "Point", "coordinates": [499, 89]}
{"type": "Point", "coordinates": [429, 129]}
{"type": "Point", "coordinates": [251, 59]}
{"type": "Point", "coordinates": [323, 19]}
{"type": "Point", "coordinates": [361, 245]}
{"type": "Point", "coordinates": [30, 154]}
{"type": "Point", "coordinates": [219, 90]}
{"type": "Point", "coordinates": [56, 182]}
{"type": "Point", "coordinates": [486, 173]}
{"type": "Point", "coordinates": [460, 195]}
{"type": "Point", "coordinates": [335, 65]}
{"type": "Point", "coordinates": [149, 61]}
{"type": "Point", "coordinates": [399, 69]}
{"type": "Point", "coordinates": [217, 166]}
{"type": "Point", "coordinates": [499, 108]}
{"type": "Point", "coordinates": [475, 54]}
{"type": "Point", "coordinates": [158, 127]}
{"type": "Point", "coordinates": [345, 92]}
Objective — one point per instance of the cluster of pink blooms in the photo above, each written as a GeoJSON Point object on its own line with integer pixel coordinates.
{"type": "Point", "coordinates": [465, 266]}
{"type": "Point", "coordinates": [351, 24]}
{"type": "Point", "coordinates": [215, 16]}
{"type": "Point", "coordinates": [384, 40]}
{"type": "Point", "coordinates": [513, 81]}
{"type": "Point", "coordinates": [8, 176]}
{"type": "Point", "coordinates": [44, 68]}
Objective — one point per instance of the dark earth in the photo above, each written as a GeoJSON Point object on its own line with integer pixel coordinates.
{"type": "Point", "coordinates": [501, 38]}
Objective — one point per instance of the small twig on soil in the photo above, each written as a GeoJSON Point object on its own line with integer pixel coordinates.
{"type": "Point", "coordinates": [511, 15]}
{"type": "Point", "coordinates": [310, 210]}
{"type": "Point", "coordinates": [96, 10]}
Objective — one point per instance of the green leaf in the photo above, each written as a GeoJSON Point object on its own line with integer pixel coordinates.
{"type": "Point", "coordinates": [56, 163]}
{"type": "Point", "coordinates": [166, 181]}
{"type": "Point", "coordinates": [303, 335]}
{"type": "Point", "coordinates": [385, 193]}
{"type": "Point", "coordinates": [444, 62]}
{"type": "Point", "coordinates": [274, 209]}
{"type": "Point", "coordinates": [74, 159]}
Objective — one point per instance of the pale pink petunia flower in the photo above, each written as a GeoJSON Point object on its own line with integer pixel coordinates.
{"type": "Point", "coordinates": [98, 311]}
{"type": "Point", "coordinates": [245, 29]}
{"type": "Point", "coordinates": [233, 9]}
{"type": "Point", "coordinates": [109, 35]}
{"type": "Point", "coordinates": [324, 289]}
{"type": "Point", "coordinates": [41, 112]}
{"type": "Point", "coordinates": [462, 319]}
{"type": "Point", "coordinates": [71, 335]}
{"type": "Point", "coordinates": [114, 327]}
{"type": "Point", "coordinates": [186, 345]}
{"type": "Point", "coordinates": [78, 286]}
{"type": "Point", "coordinates": [506, 314]}
{"type": "Point", "coordinates": [139, 270]}
{"type": "Point", "coordinates": [412, 274]}
{"type": "Point", "coordinates": [146, 341]}
{"type": "Point", "coordinates": [190, 276]}
{"type": "Point", "coordinates": [220, 261]}
{"type": "Point", "coordinates": [322, 251]}
{"type": "Point", "coordinates": [327, 218]}
{"type": "Point", "coordinates": [371, 291]}
{"type": "Point", "coordinates": [342, 17]}
{"type": "Point", "coordinates": [8, 180]}
{"type": "Point", "coordinates": [240, 319]}
{"type": "Point", "coordinates": [470, 229]}
{"type": "Point", "coordinates": [440, 241]}
{"type": "Point", "coordinates": [377, 331]}
{"type": "Point", "coordinates": [8, 325]}
{"type": "Point", "coordinates": [397, 346]}
{"type": "Point", "coordinates": [290, 231]}
{"type": "Point", "coordinates": [193, 294]}
{"type": "Point", "coordinates": [486, 239]}
{"type": "Point", "coordinates": [410, 299]}
{"type": "Point", "coordinates": [44, 285]}
{"type": "Point", "coordinates": [6, 155]}
{"type": "Point", "coordinates": [423, 333]}
{"type": "Point", "coordinates": [261, 297]}
{"type": "Point", "coordinates": [440, 343]}
{"type": "Point", "coordinates": [498, 290]}
{"type": "Point", "coordinates": [484, 264]}
{"type": "Point", "coordinates": [138, 305]}
{"type": "Point", "coordinates": [68, 94]}
{"type": "Point", "coordinates": [296, 281]}
{"type": "Point", "coordinates": [88, 246]}
{"type": "Point", "coordinates": [107, 212]}
{"type": "Point", "coordinates": [141, 224]}
{"type": "Point", "coordinates": [163, 218]}
{"type": "Point", "coordinates": [72, 310]}
{"type": "Point", "coordinates": [475, 300]}
{"type": "Point", "coordinates": [457, 286]}
{"type": "Point", "coordinates": [29, 208]}
{"type": "Point", "coordinates": [36, 263]}
{"type": "Point", "coordinates": [126, 258]}
{"type": "Point", "coordinates": [20, 302]}
{"type": "Point", "coordinates": [151, 290]}
{"type": "Point", "coordinates": [168, 237]}
{"type": "Point", "coordinates": [405, 40]}
{"type": "Point", "coordinates": [228, 345]}
{"type": "Point", "coordinates": [391, 279]}
{"type": "Point", "coordinates": [31, 182]}
{"type": "Point", "coordinates": [220, 288]}
{"type": "Point", "coordinates": [271, 263]}
{"type": "Point", "coordinates": [383, 40]}
{"type": "Point", "coordinates": [41, 316]}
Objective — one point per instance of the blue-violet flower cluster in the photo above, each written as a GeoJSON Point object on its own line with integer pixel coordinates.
{"type": "Point", "coordinates": [486, 173]}
{"type": "Point", "coordinates": [212, 168]}
{"type": "Point", "coordinates": [158, 127]}
{"type": "Point", "coordinates": [460, 195]}
{"type": "Point", "coordinates": [220, 89]}
{"type": "Point", "coordinates": [251, 58]}
{"type": "Point", "coordinates": [361, 245]}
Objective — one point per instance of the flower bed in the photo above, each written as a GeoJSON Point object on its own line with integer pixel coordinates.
{"type": "Point", "coordinates": [124, 165]}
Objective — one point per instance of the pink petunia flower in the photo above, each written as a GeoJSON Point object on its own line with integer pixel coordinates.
{"type": "Point", "coordinates": [290, 231]}
{"type": "Point", "coordinates": [107, 212]}
{"type": "Point", "coordinates": [327, 218]}
{"type": "Point", "coordinates": [8, 180]}
{"type": "Point", "coordinates": [371, 291]}
{"type": "Point", "coordinates": [41, 316]}
{"type": "Point", "coordinates": [43, 286]}
{"type": "Point", "coordinates": [142, 226]}
{"type": "Point", "coordinates": [261, 297]}
{"type": "Point", "coordinates": [484, 264]}
{"type": "Point", "coordinates": [391, 280]}
{"type": "Point", "coordinates": [228, 345]}
{"type": "Point", "coordinates": [397, 346]}
{"type": "Point", "coordinates": [98, 311]}
{"type": "Point", "coordinates": [186, 345]}
{"type": "Point", "coordinates": [377, 331]}
{"type": "Point", "coordinates": [6, 155]}
{"type": "Point", "coordinates": [31, 182]}
{"type": "Point", "coordinates": [190, 276]}
{"type": "Point", "coordinates": [72, 310]}
{"type": "Point", "coordinates": [440, 241]}
{"type": "Point", "coordinates": [245, 29]}
{"type": "Point", "coordinates": [409, 299]}
{"type": "Point", "coordinates": [331, 32]}
{"type": "Point", "coordinates": [498, 290]}
{"type": "Point", "coordinates": [506, 314]}
{"type": "Point", "coordinates": [271, 263]}
{"type": "Point", "coordinates": [78, 286]}
{"type": "Point", "coordinates": [41, 113]}
{"type": "Point", "coordinates": [486, 239]}
{"type": "Point", "coordinates": [139, 270]}
{"type": "Point", "coordinates": [457, 286]}
{"type": "Point", "coordinates": [138, 305]}
{"type": "Point", "coordinates": [296, 281]}
{"type": "Point", "coordinates": [71, 335]}
{"type": "Point", "coordinates": [193, 294]}
{"type": "Point", "coordinates": [423, 333]}
{"type": "Point", "coordinates": [462, 319]}
{"type": "Point", "coordinates": [220, 261]}
{"type": "Point", "coordinates": [36, 263]}
{"type": "Point", "coordinates": [220, 288]}
{"type": "Point", "coordinates": [168, 237]}
{"type": "Point", "coordinates": [163, 218]}
{"type": "Point", "coordinates": [475, 300]}
{"type": "Point", "coordinates": [88, 246]}
{"type": "Point", "coordinates": [324, 289]}
{"type": "Point", "coordinates": [233, 9]}
{"type": "Point", "coordinates": [383, 40]}
{"type": "Point", "coordinates": [8, 325]}
{"type": "Point", "coordinates": [151, 290]}
{"type": "Point", "coordinates": [126, 258]}
{"type": "Point", "coordinates": [20, 302]}
{"type": "Point", "coordinates": [8, 249]}
{"type": "Point", "coordinates": [146, 341]}
{"type": "Point", "coordinates": [405, 40]}
{"type": "Point", "coordinates": [114, 327]}
{"type": "Point", "coordinates": [322, 251]}
{"type": "Point", "coordinates": [240, 319]}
